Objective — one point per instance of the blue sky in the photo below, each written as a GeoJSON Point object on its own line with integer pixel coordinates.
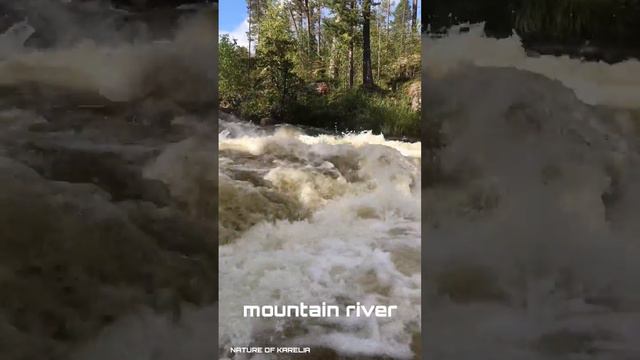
{"type": "Point", "coordinates": [233, 19]}
{"type": "Point", "coordinates": [232, 13]}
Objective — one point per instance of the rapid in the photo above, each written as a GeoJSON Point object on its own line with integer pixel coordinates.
{"type": "Point", "coordinates": [107, 136]}
{"type": "Point", "coordinates": [312, 217]}
{"type": "Point", "coordinates": [530, 208]}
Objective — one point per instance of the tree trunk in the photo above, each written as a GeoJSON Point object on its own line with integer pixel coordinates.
{"type": "Point", "coordinates": [367, 75]}
{"type": "Point", "coordinates": [379, 26]}
{"type": "Point", "coordinates": [333, 66]}
{"type": "Point", "coordinates": [414, 16]}
{"type": "Point", "coordinates": [319, 29]}
{"type": "Point", "coordinates": [351, 65]}
{"type": "Point", "coordinates": [351, 49]}
{"type": "Point", "coordinates": [284, 92]}
{"type": "Point", "coordinates": [388, 20]}
{"type": "Point", "coordinates": [309, 25]}
{"type": "Point", "coordinates": [296, 28]}
{"type": "Point", "coordinates": [258, 16]}
{"type": "Point", "coordinates": [249, 33]}
{"type": "Point", "coordinates": [301, 23]}
{"type": "Point", "coordinates": [403, 23]}
{"type": "Point", "coordinates": [295, 24]}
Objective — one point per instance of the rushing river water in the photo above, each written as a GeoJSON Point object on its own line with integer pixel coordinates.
{"type": "Point", "coordinates": [106, 139]}
{"type": "Point", "coordinates": [531, 236]}
{"type": "Point", "coordinates": [319, 218]}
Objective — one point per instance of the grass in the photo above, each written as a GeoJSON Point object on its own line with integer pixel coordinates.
{"type": "Point", "coordinates": [358, 110]}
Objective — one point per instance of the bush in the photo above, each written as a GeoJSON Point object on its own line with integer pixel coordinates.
{"type": "Point", "coordinates": [357, 110]}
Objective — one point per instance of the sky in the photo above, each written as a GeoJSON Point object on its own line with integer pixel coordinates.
{"type": "Point", "coordinates": [234, 22]}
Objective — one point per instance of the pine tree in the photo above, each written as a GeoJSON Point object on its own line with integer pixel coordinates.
{"type": "Point", "coordinates": [367, 74]}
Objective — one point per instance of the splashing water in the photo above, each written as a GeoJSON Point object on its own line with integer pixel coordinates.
{"type": "Point", "coordinates": [319, 218]}
{"type": "Point", "coordinates": [595, 83]}
{"type": "Point", "coordinates": [98, 58]}
{"type": "Point", "coordinates": [12, 40]}
{"type": "Point", "coordinates": [104, 252]}
{"type": "Point", "coordinates": [531, 240]}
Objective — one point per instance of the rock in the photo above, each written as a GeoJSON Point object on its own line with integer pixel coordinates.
{"type": "Point", "coordinates": [266, 122]}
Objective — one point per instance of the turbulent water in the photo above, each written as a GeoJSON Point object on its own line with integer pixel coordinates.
{"type": "Point", "coordinates": [595, 83]}
{"type": "Point", "coordinates": [117, 64]}
{"type": "Point", "coordinates": [313, 218]}
{"type": "Point", "coordinates": [107, 237]}
{"type": "Point", "coordinates": [531, 231]}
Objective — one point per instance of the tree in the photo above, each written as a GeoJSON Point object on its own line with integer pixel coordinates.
{"type": "Point", "coordinates": [414, 15]}
{"type": "Point", "coordinates": [352, 36]}
{"type": "Point", "coordinates": [343, 27]}
{"type": "Point", "coordinates": [249, 19]}
{"type": "Point", "coordinates": [234, 72]}
{"type": "Point", "coordinates": [275, 52]}
{"type": "Point", "coordinates": [255, 10]}
{"type": "Point", "coordinates": [401, 17]}
{"type": "Point", "coordinates": [367, 74]}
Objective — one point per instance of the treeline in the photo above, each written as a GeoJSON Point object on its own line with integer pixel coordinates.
{"type": "Point", "coordinates": [344, 65]}
{"type": "Point", "coordinates": [601, 22]}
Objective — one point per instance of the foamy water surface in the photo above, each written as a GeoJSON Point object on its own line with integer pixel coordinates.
{"type": "Point", "coordinates": [319, 218]}
{"type": "Point", "coordinates": [532, 240]}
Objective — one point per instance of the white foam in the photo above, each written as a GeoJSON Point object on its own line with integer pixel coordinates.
{"type": "Point", "coordinates": [360, 243]}
{"type": "Point", "coordinates": [596, 83]}
{"type": "Point", "coordinates": [532, 234]}
{"type": "Point", "coordinates": [119, 71]}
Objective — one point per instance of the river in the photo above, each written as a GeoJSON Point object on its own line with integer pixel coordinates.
{"type": "Point", "coordinates": [308, 217]}
{"type": "Point", "coordinates": [106, 138]}
{"type": "Point", "coordinates": [531, 228]}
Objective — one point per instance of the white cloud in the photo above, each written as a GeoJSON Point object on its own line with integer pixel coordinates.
{"type": "Point", "coordinates": [239, 33]}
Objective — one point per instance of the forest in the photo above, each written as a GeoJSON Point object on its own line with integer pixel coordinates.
{"type": "Point", "coordinates": [340, 65]}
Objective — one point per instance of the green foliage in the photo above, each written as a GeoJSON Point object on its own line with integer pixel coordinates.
{"type": "Point", "coordinates": [358, 110]}
{"type": "Point", "coordinates": [255, 107]}
{"type": "Point", "coordinates": [234, 71]}
{"type": "Point", "coordinates": [275, 59]}
{"type": "Point", "coordinates": [298, 46]}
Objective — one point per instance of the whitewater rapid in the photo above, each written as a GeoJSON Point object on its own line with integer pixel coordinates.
{"type": "Point", "coordinates": [108, 245]}
{"type": "Point", "coordinates": [99, 58]}
{"type": "Point", "coordinates": [531, 232]}
{"type": "Point", "coordinates": [595, 83]}
{"type": "Point", "coordinates": [314, 219]}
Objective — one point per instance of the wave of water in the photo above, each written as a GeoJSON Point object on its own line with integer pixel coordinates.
{"type": "Point", "coordinates": [107, 183]}
{"type": "Point", "coordinates": [532, 234]}
{"type": "Point", "coordinates": [319, 218]}
{"type": "Point", "coordinates": [595, 83]}
{"type": "Point", "coordinates": [98, 58]}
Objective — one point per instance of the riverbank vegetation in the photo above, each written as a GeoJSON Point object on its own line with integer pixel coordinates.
{"type": "Point", "coordinates": [347, 65]}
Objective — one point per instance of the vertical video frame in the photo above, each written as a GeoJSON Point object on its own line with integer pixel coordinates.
{"type": "Point", "coordinates": [319, 179]}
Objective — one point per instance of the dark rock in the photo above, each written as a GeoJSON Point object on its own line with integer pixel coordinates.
{"type": "Point", "coordinates": [266, 122]}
